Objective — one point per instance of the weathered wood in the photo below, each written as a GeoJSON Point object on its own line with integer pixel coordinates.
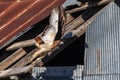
{"type": "Point", "coordinates": [66, 42]}
{"type": "Point", "coordinates": [15, 71]}
{"type": "Point", "coordinates": [28, 58]}
{"type": "Point", "coordinates": [25, 43]}
{"type": "Point", "coordinates": [87, 6]}
{"type": "Point", "coordinates": [25, 60]}
{"type": "Point", "coordinates": [69, 18]}
{"type": "Point", "coordinates": [11, 59]}
{"type": "Point", "coordinates": [44, 49]}
{"type": "Point", "coordinates": [82, 29]}
{"type": "Point", "coordinates": [75, 23]}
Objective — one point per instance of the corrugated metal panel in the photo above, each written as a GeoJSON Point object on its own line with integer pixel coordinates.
{"type": "Point", "coordinates": [17, 16]}
{"type": "Point", "coordinates": [102, 55]}
{"type": "Point", "coordinates": [103, 77]}
{"type": "Point", "coordinates": [58, 73]}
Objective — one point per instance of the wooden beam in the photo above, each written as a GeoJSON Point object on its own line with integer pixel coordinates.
{"type": "Point", "coordinates": [66, 42]}
{"type": "Point", "coordinates": [74, 24]}
{"type": "Point", "coordinates": [15, 71]}
{"type": "Point", "coordinates": [18, 45]}
{"type": "Point", "coordinates": [25, 60]}
{"type": "Point", "coordinates": [88, 6]}
{"type": "Point", "coordinates": [11, 59]}
{"type": "Point", "coordinates": [48, 55]}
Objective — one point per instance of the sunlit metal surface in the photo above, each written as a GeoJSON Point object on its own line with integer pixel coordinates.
{"type": "Point", "coordinates": [17, 15]}
{"type": "Point", "coordinates": [103, 77]}
{"type": "Point", "coordinates": [102, 54]}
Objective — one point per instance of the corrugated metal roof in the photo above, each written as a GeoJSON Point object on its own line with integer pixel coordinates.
{"type": "Point", "coordinates": [102, 54]}
{"type": "Point", "coordinates": [16, 16]}
{"type": "Point", "coordinates": [103, 77]}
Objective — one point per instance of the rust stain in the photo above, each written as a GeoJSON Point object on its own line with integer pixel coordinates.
{"type": "Point", "coordinates": [17, 15]}
{"type": "Point", "coordinates": [98, 60]}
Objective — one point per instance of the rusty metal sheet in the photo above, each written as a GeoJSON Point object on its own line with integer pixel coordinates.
{"type": "Point", "coordinates": [102, 53]}
{"type": "Point", "coordinates": [16, 15]}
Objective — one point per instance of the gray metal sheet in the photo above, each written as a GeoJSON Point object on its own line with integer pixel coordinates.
{"type": "Point", "coordinates": [58, 73]}
{"type": "Point", "coordinates": [103, 77]}
{"type": "Point", "coordinates": [102, 53]}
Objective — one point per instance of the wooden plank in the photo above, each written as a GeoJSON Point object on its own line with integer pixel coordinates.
{"type": "Point", "coordinates": [80, 19]}
{"type": "Point", "coordinates": [29, 57]}
{"type": "Point", "coordinates": [15, 71]}
{"type": "Point", "coordinates": [11, 59]}
{"type": "Point", "coordinates": [25, 60]}
{"type": "Point", "coordinates": [77, 32]}
{"type": "Point", "coordinates": [25, 43]}
{"type": "Point", "coordinates": [48, 55]}
{"type": "Point", "coordinates": [88, 6]}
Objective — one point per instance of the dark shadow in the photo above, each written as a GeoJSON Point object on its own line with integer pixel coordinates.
{"type": "Point", "coordinates": [117, 2]}
{"type": "Point", "coordinates": [25, 76]}
{"type": "Point", "coordinates": [74, 53]}
{"type": "Point", "coordinates": [90, 12]}
{"type": "Point", "coordinates": [70, 56]}
{"type": "Point", "coordinates": [86, 45]}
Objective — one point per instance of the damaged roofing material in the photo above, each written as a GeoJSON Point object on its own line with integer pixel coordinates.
{"type": "Point", "coordinates": [102, 56]}
{"type": "Point", "coordinates": [27, 58]}
{"type": "Point", "coordinates": [15, 16]}
{"type": "Point", "coordinates": [71, 25]}
{"type": "Point", "coordinates": [77, 31]}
